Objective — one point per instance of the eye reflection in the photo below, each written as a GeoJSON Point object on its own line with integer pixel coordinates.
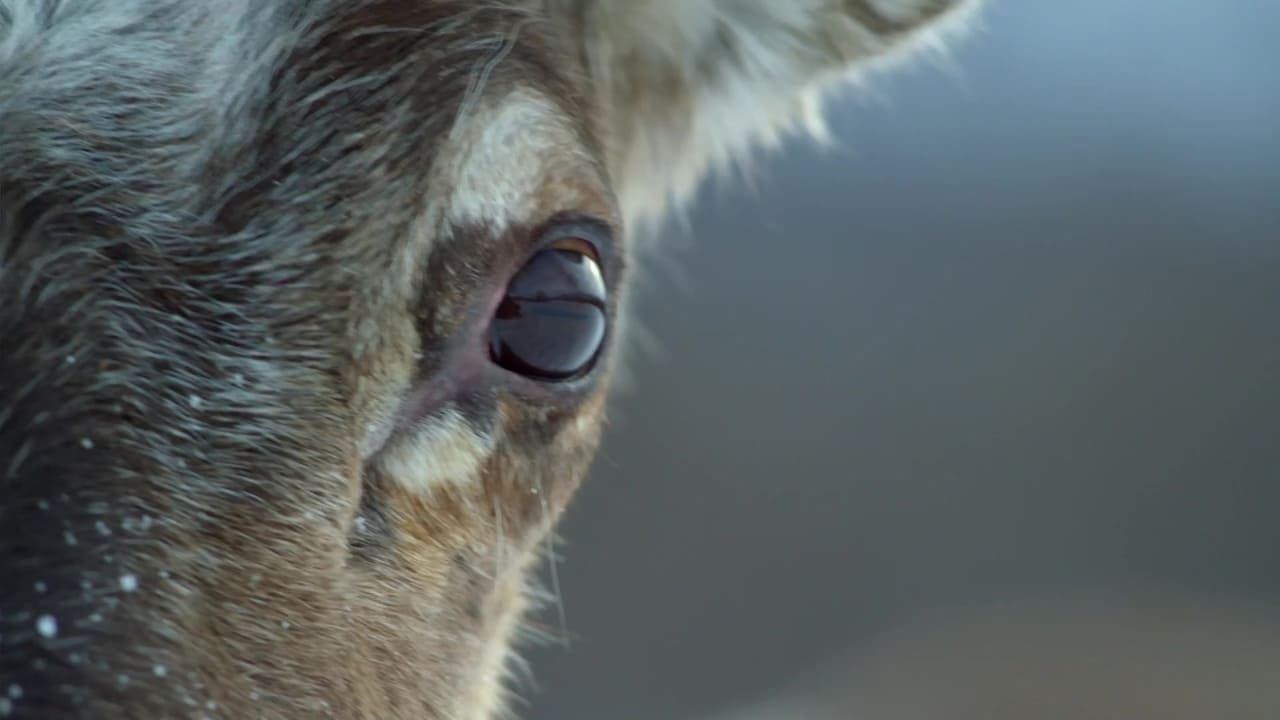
{"type": "Point", "coordinates": [552, 322]}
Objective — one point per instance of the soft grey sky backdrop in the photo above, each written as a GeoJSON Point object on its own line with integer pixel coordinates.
{"type": "Point", "coordinates": [1021, 337]}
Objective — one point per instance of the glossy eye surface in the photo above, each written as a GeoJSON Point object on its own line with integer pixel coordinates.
{"type": "Point", "coordinates": [551, 323]}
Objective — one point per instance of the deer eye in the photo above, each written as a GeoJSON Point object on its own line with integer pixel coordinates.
{"type": "Point", "coordinates": [551, 321]}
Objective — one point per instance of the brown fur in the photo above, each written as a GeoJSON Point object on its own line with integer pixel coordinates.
{"type": "Point", "coordinates": [247, 256]}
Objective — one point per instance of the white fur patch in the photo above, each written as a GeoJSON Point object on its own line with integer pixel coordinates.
{"type": "Point", "coordinates": [443, 449]}
{"type": "Point", "coordinates": [499, 158]}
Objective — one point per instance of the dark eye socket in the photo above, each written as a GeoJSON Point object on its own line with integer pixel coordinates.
{"type": "Point", "coordinates": [551, 323]}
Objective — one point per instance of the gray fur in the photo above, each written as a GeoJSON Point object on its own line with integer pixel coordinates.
{"type": "Point", "coordinates": [201, 205]}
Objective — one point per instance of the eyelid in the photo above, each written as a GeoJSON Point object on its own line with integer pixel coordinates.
{"type": "Point", "coordinates": [577, 245]}
{"type": "Point", "coordinates": [593, 231]}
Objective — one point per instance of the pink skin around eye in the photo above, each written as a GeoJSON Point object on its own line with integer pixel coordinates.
{"type": "Point", "coordinates": [465, 361]}
{"type": "Point", "coordinates": [466, 364]}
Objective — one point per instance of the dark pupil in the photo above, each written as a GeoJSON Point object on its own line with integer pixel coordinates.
{"type": "Point", "coordinates": [551, 322]}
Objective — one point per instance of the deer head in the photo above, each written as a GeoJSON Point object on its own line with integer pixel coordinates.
{"type": "Point", "coordinates": [308, 312]}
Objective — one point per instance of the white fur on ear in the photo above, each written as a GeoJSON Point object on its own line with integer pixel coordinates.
{"type": "Point", "coordinates": [685, 85]}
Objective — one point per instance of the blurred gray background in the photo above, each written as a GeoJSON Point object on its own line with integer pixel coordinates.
{"type": "Point", "coordinates": [1015, 342]}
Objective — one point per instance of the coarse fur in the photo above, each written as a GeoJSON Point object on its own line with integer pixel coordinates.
{"type": "Point", "coordinates": [253, 459]}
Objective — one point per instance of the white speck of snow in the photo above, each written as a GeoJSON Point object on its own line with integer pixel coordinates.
{"type": "Point", "coordinates": [71, 359]}
{"type": "Point", "coordinates": [69, 537]}
{"type": "Point", "coordinates": [211, 705]}
{"type": "Point", "coordinates": [164, 574]}
{"type": "Point", "coordinates": [128, 582]}
{"type": "Point", "coordinates": [43, 504]}
{"type": "Point", "coordinates": [41, 587]}
{"type": "Point", "coordinates": [195, 401]}
{"type": "Point", "coordinates": [15, 691]}
{"type": "Point", "coordinates": [362, 525]}
{"type": "Point", "coordinates": [159, 670]}
{"type": "Point", "coordinates": [145, 524]}
{"type": "Point", "coordinates": [122, 680]}
{"type": "Point", "coordinates": [102, 528]}
{"type": "Point", "coordinates": [284, 624]}
{"type": "Point", "coordinates": [86, 443]}
{"type": "Point", "coordinates": [47, 626]}
{"type": "Point", "coordinates": [95, 618]}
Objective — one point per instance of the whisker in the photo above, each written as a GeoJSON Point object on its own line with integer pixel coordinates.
{"type": "Point", "coordinates": [500, 547]}
{"type": "Point", "coordinates": [556, 591]}
{"type": "Point", "coordinates": [480, 79]}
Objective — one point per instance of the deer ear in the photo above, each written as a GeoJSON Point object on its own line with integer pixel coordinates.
{"type": "Point", "coordinates": [685, 84]}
